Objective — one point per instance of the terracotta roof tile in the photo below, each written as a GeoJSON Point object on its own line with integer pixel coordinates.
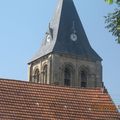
{"type": "Point", "coordinates": [29, 101]}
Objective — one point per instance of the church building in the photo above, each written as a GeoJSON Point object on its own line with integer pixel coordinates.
{"type": "Point", "coordinates": [65, 77]}
{"type": "Point", "coordinates": [65, 57]}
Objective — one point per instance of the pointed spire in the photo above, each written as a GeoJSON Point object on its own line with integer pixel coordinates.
{"type": "Point", "coordinates": [66, 34]}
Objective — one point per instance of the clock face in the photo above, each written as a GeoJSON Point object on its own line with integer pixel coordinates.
{"type": "Point", "coordinates": [73, 37]}
{"type": "Point", "coordinates": [48, 38]}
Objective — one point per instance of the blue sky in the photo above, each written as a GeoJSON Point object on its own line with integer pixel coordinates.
{"type": "Point", "coordinates": [23, 24]}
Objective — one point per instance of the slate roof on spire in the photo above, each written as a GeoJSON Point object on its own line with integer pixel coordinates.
{"type": "Point", "coordinates": [65, 22]}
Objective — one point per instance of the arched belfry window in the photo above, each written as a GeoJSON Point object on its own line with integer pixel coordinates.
{"type": "Point", "coordinates": [83, 78]}
{"type": "Point", "coordinates": [67, 77]}
{"type": "Point", "coordinates": [45, 69]}
{"type": "Point", "coordinates": [37, 76]}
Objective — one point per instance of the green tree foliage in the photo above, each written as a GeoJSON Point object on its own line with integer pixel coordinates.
{"type": "Point", "coordinates": [112, 1]}
{"type": "Point", "coordinates": [113, 20]}
{"type": "Point", "coordinates": [109, 1]}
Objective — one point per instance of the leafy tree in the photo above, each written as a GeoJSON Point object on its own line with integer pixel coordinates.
{"type": "Point", "coordinates": [113, 20]}
{"type": "Point", "coordinates": [112, 1]}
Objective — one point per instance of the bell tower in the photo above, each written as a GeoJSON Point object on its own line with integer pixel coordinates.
{"type": "Point", "coordinates": [66, 57]}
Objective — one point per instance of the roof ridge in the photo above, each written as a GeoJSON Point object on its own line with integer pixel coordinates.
{"type": "Point", "coordinates": [47, 85]}
{"type": "Point", "coordinates": [58, 88]}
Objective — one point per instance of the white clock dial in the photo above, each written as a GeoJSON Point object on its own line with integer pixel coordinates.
{"type": "Point", "coordinates": [48, 38]}
{"type": "Point", "coordinates": [73, 37]}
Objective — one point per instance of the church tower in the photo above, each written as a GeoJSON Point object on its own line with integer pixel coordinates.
{"type": "Point", "coordinates": [65, 57]}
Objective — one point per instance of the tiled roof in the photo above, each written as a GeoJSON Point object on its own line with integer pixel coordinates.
{"type": "Point", "coordinates": [29, 101]}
